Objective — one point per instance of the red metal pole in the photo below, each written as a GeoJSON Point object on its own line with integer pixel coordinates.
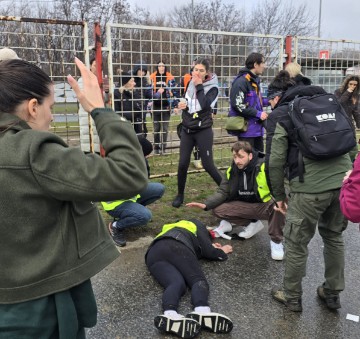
{"type": "Point", "coordinates": [98, 58]}
{"type": "Point", "coordinates": [288, 48]}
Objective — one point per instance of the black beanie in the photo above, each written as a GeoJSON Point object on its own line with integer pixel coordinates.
{"type": "Point", "coordinates": [124, 78]}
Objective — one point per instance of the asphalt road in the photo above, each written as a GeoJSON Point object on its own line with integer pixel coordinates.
{"type": "Point", "coordinates": [129, 299]}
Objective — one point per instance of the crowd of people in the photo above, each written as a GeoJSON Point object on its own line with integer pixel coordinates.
{"type": "Point", "coordinates": [66, 242]}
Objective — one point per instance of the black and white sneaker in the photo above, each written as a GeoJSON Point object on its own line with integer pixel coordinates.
{"type": "Point", "coordinates": [117, 235]}
{"type": "Point", "coordinates": [183, 327]}
{"type": "Point", "coordinates": [214, 322]}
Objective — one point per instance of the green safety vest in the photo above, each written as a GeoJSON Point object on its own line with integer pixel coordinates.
{"type": "Point", "coordinates": [188, 225]}
{"type": "Point", "coordinates": [261, 183]}
{"type": "Point", "coordinates": [110, 205]}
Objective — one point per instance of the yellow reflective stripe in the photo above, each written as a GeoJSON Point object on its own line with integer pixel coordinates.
{"type": "Point", "coordinates": [188, 225]}
{"type": "Point", "coordinates": [110, 205]}
{"type": "Point", "coordinates": [263, 188]}
{"type": "Point", "coordinates": [228, 173]}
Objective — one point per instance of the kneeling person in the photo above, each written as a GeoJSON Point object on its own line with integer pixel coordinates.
{"type": "Point", "coordinates": [172, 259]}
{"type": "Point", "coordinates": [132, 212]}
{"type": "Point", "coordinates": [244, 196]}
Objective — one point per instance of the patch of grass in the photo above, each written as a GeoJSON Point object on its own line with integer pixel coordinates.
{"type": "Point", "coordinates": [65, 108]}
{"type": "Point", "coordinates": [198, 187]}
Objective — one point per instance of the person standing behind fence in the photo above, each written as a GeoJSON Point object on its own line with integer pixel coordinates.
{"type": "Point", "coordinates": [246, 101]}
{"type": "Point", "coordinates": [200, 99]}
{"type": "Point", "coordinates": [143, 87]}
{"type": "Point", "coordinates": [53, 238]}
{"type": "Point", "coordinates": [161, 106]}
{"type": "Point", "coordinates": [348, 95]}
{"type": "Point", "coordinates": [128, 103]}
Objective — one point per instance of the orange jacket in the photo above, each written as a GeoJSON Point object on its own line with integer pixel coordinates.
{"type": "Point", "coordinates": [169, 77]}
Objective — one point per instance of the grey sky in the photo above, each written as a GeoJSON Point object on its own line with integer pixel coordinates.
{"type": "Point", "coordinates": [340, 19]}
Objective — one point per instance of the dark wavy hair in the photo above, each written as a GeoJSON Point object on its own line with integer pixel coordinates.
{"type": "Point", "coordinates": [345, 84]}
{"type": "Point", "coordinates": [204, 62]}
{"type": "Point", "coordinates": [280, 84]}
{"type": "Point", "coordinates": [19, 81]}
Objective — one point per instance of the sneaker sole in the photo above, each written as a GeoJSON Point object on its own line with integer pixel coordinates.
{"type": "Point", "coordinates": [183, 328]}
{"type": "Point", "coordinates": [214, 322]}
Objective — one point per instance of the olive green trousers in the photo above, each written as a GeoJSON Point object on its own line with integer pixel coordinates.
{"type": "Point", "coordinates": [305, 213]}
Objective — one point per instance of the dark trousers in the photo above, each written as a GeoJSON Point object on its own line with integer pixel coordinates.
{"type": "Point", "coordinates": [257, 143]}
{"type": "Point", "coordinates": [204, 141]}
{"type": "Point", "coordinates": [161, 128]}
{"type": "Point", "coordinates": [241, 213]}
{"type": "Point", "coordinates": [175, 266]}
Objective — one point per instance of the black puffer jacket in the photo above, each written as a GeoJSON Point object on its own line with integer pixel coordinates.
{"type": "Point", "coordinates": [129, 105]}
{"type": "Point", "coordinates": [200, 244]}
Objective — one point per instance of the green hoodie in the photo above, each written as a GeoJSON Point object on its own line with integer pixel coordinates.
{"type": "Point", "coordinates": [52, 234]}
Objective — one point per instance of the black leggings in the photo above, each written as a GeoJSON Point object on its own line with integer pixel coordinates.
{"type": "Point", "coordinates": [203, 139]}
{"type": "Point", "coordinates": [175, 266]}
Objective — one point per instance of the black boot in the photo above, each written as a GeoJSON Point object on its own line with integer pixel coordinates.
{"type": "Point", "coordinates": [177, 202]}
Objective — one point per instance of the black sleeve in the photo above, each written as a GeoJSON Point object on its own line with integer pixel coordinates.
{"type": "Point", "coordinates": [205, 101]}
{"type": "Point", "coordinates": [208, 251]}
{"type": "Point", "coordinates": [238, 93]}
{"type": "Point", "coordinates": [117, 98]}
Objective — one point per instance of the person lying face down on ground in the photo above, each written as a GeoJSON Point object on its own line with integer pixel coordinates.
{"type": "Point", "coordinates": [173, 260]}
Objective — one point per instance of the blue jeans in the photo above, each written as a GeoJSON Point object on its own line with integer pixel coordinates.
{"type": "Point", "coordinates": [131, 214]}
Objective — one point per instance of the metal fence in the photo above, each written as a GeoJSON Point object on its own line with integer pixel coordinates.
{"type": "Point", "coordinates": [326, 62]}
{"type": "Point", "coordinates": [52, 45]}
{"type": "Point", "coordinates": [130, 45]}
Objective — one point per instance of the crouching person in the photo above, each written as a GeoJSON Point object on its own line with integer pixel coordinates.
{"type": "Point", "coordinates": [244, 197]}
{"type": "Point", "coordinates": [131, 212]}
{"type": "Point", "coordinates": [172, 259]}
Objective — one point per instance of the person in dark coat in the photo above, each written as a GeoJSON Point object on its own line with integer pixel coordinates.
{"type": "Point", "coordinates": [127, 101]}
{"type": "Point", "coordinates": [172, 259]}
{"type": "Point", "coordinates": [348, 95]}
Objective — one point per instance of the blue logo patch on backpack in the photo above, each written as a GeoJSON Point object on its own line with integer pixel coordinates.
{"type": "Point", "coordinates": [321, 126]}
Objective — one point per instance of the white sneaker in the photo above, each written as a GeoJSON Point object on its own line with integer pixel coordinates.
{"type": "Point", "coordinates": [277, 250]}
{"type": "Point", "coordinates": [224, 227]}
{"type": "Point", "coordinates": [251, 229]}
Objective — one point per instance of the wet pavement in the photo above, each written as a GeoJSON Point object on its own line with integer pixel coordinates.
{"type": "Point", "coordinates": [129, 299]}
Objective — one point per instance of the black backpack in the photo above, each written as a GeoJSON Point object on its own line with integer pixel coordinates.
{"type": "Point", "coordinates": [322, 129]}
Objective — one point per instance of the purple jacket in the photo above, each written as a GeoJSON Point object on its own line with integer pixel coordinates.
{"type": "Point", "coordinates": [350, 193]}
{"type": "Point", "coordinates": [246, 101]}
